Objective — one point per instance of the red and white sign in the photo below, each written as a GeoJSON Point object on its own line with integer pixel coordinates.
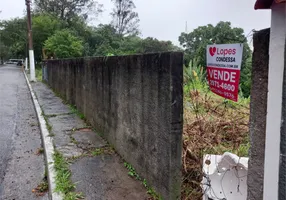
{"type": "Point", "coordinates": [223, 69]}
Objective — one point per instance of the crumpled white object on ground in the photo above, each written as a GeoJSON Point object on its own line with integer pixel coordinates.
{"type": "Point", "coordinates": [225, 177]}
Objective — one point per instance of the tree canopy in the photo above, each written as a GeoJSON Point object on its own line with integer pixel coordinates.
{"type": "Point", "coordinates": [196, 41]}
{"type": "Point", "coordinates": [125, 20]}
{"type": "Point", "coordinates": [14, 36]}
{"type": "Point", "coordinates": [66, 10]}
{"type": "Point", "coordinates": [63, 44]}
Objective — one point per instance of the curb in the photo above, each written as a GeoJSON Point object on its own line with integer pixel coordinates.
{"type": "Point", "coordinates": [48, 146]}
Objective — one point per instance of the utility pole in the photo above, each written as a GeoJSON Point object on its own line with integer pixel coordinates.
{"type": "Point", "coordinates": [1, 58]}
{"type": "Point", "coordinates": [30, 36]}
{"type": "Point", "coordinates": [186, 28]}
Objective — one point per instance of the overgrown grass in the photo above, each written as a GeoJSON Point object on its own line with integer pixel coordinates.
{"type": "Point", "coordinates": [212, 125]}
{"type": "Point", "coordinates": [49, 127]}
{"type": "Point", "coordinates": [132, 172]}
{"type": "Point", "coordinates": [107, 150]}
{"type": "Point", "coordinates": [77, 112]}
{"type": "Point", "coordinates": [63, 183]}
{"type": "Point", "coordinates": [39, 73]}
{"type": "Point", "coordinates": [42, 188]}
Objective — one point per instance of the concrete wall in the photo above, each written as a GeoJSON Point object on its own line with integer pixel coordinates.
{"type": "Point", "coordinates": [258, 112]}
{"type": "Point", "coordinates": [137, 103]}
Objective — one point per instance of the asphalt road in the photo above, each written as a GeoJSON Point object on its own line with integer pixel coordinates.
{"type": "Point", "coordinates": [21, 170]}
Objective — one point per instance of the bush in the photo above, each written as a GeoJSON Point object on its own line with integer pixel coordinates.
{"type": "Point", "coordinates": [63, 44]}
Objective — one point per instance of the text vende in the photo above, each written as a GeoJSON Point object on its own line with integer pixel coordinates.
{"type": "Point", "coordinates": [222, 75]}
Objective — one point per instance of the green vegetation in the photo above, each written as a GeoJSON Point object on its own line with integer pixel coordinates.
{"type": "Point", "coordinates": [53, 115]}
{"type": "Point", "coordinates": [97, 152]}
{"type": "Point", "coordinates": [70, 45]}
{"type": "Point", "coordinates": [66, 34]}
{"type": "Point", "coordinates": [125, 20]}
{"type": "Point", "coordinates": [68, 11]}
{"type": "Point", "coordinates": [40, 151]}
{"type": "Point", "coordinates": [42, 188]}
{"type": "Point", "coordinates": [73, 140]}
{"type": "Point", "coordinates": [63, 183]}
{"type": "Point", "coordinates": [74, 196]}
{"type": "Point", "coordinates": [132, 172]}
{"type": "Point", "coordinates": [212, 125]}
{"type": "Point", "coordinates": [39, 73]}
{"type": "Point", "coordinates": [3, 52]}
{"type": "Point", "coordinates": [106, 150]}
{"type": "Point", "coordinates": [49, 127]}
{"type": "Point", "coordinates": [51, 135]}
{"type": "Point", "coordinates": [77, 112]}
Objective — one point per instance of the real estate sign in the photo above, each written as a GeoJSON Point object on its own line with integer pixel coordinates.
{"type": "Point", "coordinates": [223, 69]}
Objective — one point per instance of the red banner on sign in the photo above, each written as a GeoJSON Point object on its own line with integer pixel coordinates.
{"type": "Point", "coordinates": [224, 82]}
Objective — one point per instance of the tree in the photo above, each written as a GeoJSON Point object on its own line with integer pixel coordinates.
{"type": "Point", "coordinates": [43, 27]}
{"type": "Point", "coordinates": [195, 44]}
{"type": "Point", "coordinates": [102, 40]}
{"type": "Point", "coordinates": [245, 77]}
{"type": "Point", "coordinates": [3, 52]}
{"type": "Point", "coordinates": [153, 45]}
{"type": "Point", "coordinates": [66, 10]}
{"type": "Point", "coordinates": [105, 40]}
{"type": "Point", "coordinates": [63, 44]}
{"type": "Point", "coordinates": [14, 36]}
{"type": "Point", "coordinates": [125, 20]}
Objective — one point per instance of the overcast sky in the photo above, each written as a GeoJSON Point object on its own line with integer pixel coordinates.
{"type": "Point", "coordinates": [166, 19]}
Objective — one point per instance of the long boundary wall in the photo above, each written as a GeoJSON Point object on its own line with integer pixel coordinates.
{"type": "Point", "coordinates": [136, 102]}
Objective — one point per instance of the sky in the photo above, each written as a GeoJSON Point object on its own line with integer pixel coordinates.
{"type": "Point", "coordinates": [166, 19]}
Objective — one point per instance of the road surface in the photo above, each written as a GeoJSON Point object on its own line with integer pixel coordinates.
{"type": "Point", "coordinates": [21, 170]}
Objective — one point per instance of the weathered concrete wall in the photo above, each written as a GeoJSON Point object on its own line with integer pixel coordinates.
{"type": "Point", "coordinates": [258, 111]}
{"type": "Point", "coordinates": [137, 103]}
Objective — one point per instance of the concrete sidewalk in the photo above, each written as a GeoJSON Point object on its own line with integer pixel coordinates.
{"type": "Point", "coordinates": [98, 172]}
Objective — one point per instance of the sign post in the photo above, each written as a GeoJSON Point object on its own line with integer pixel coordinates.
{"type": "Point", "coordinates": [223, 69]}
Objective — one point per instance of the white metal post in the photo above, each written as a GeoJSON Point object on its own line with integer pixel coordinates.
{"type": "Point", "coordinates": [32, 65]}
{"type": "Point", "coordinates": [274, 104]}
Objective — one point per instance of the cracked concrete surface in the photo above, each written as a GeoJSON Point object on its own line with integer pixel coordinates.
{"type": "Point", "coordinates": [101, 177]}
